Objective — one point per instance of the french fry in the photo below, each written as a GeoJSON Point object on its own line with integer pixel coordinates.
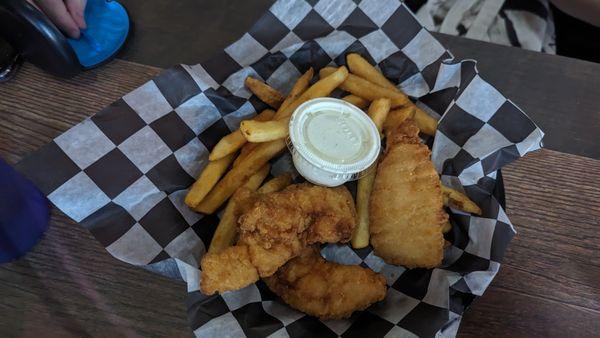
{"type": "Point", "coordinates": [235, 140]}
{"type": "Point", "coordinates": [356, 100]}
{"type": "Point", "coordinates": [360, 236]}
{"type": "Point", "coordinates": [368, 90]}
{"type": "Point", "coordinates": [266, 93]}
{"type": "Point", "coordinates": [396, 117]}
{"type": "Point", "coordinates": [321, 88]}
{"type": "Point", "coordinates": [227, 229]}
{"type": "Point", "coordinates": [255, 131]}
{"type": "Point", "coordinates": [207, 180]}
{"type": "Point", "coordinates": [378, 112]}
{"type": "Point", "coordinates": [246, 149]}
{"type": "Point", "coordinates": [256, 180]}
{"type": "Point", "coordinates": [458, 200]}
{"type": "Point", "coordinates": [230, 143]}
{"type": "Point", "coordinates": [276, 184]}
{"type": "Point", "coordinates": [361, 67]}
{"type": "Point", "coordinates": [426, 123]}
{"type": "Point", "coordinates": [298, 88]}
{"type": "Point", "coordinates": [239, 174]}
{"type": "Point", "coordinates": [273, 131]}
{"type": "Point", "coordinates": [447, 227]}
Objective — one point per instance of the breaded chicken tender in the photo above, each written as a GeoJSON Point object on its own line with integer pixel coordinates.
{"type": "Point", "coordinates": [275, 229]}
{"type": "Point", "coordinates": [406, 206]}
{"type": "Point", "coordinates": [326, 290]}
{"type": "Point", "coordinates": [227, 270]}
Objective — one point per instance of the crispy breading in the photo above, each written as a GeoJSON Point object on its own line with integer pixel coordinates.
{"type": "Point", "coordinates": [406, 206]}
{"type": "Point", "coordinates": [326, 290]}
{"type": "Point", "coordinates": [278, 226]}
{"type": "Point", "coordinates": [226, 270]}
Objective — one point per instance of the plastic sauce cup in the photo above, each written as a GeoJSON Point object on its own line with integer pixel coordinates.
{"type": "Point", "coordinates": [332, 141]}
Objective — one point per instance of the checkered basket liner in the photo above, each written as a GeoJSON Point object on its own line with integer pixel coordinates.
{"type": "Point", "coordinates": [123, 173]}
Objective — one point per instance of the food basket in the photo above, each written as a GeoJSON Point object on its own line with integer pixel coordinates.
{"type": "Point", "coordinates": [124, 172]}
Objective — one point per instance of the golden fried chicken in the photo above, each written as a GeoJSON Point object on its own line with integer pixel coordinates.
{"type": "Point", "coordinates": [406, 205]}
{"type": "Point", "coordinates": [227, 270]}
{"type": "Point", "coordinates": [326, 290]}
{"type": "Point", "coordinates": [275, 229]}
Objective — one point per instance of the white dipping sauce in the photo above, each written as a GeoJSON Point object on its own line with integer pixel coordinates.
{"type": "Point", "coordinates": [332, 141]}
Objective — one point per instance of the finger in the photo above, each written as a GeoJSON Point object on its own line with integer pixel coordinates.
{"type": "Point", "coordinates": [34, 5]}
{"type": "Point", "coordinates": [57, 12]}
{"type": "Point", "coordinates": [77, 10]}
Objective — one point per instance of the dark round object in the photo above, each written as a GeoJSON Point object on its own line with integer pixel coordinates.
{"type": "Point", "coordinates": [32, 35]}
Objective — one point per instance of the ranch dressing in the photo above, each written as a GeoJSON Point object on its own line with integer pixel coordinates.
{"type": "Point", "coordinates": [332, 141]}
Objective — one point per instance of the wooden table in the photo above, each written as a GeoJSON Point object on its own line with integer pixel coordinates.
{"type": "Point", "coordinates": [548, 285]}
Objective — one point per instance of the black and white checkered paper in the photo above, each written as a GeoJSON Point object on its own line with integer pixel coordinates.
{"type": "Point", "coordinates": [123, 173]}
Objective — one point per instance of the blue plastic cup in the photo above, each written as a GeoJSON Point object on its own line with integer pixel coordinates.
{"type": "Point", "coordinates": [24, 214]}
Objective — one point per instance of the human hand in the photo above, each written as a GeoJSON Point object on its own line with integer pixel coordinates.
{"type": "Point", "coordinates": [67, 15]}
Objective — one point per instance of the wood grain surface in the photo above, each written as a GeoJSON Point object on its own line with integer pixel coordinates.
{"type": "Point", "coordinates": [70, 286]}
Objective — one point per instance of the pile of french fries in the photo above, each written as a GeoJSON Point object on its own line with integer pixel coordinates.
{"type": "Point", "coordinates": [239, 162]}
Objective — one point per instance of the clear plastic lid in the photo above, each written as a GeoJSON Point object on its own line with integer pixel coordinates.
{"type": "Point", "coordinates": [335, 136]}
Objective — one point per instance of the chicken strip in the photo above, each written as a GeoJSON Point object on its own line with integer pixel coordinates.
{"type": "Point", "coordinates": [275, 229]}
{"type": "Point", "coordinates": [406, 205]}
{"type": "Point", "coordinates": [227, 270]}
{"type": "Point", "coordinates": [326, 290]}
